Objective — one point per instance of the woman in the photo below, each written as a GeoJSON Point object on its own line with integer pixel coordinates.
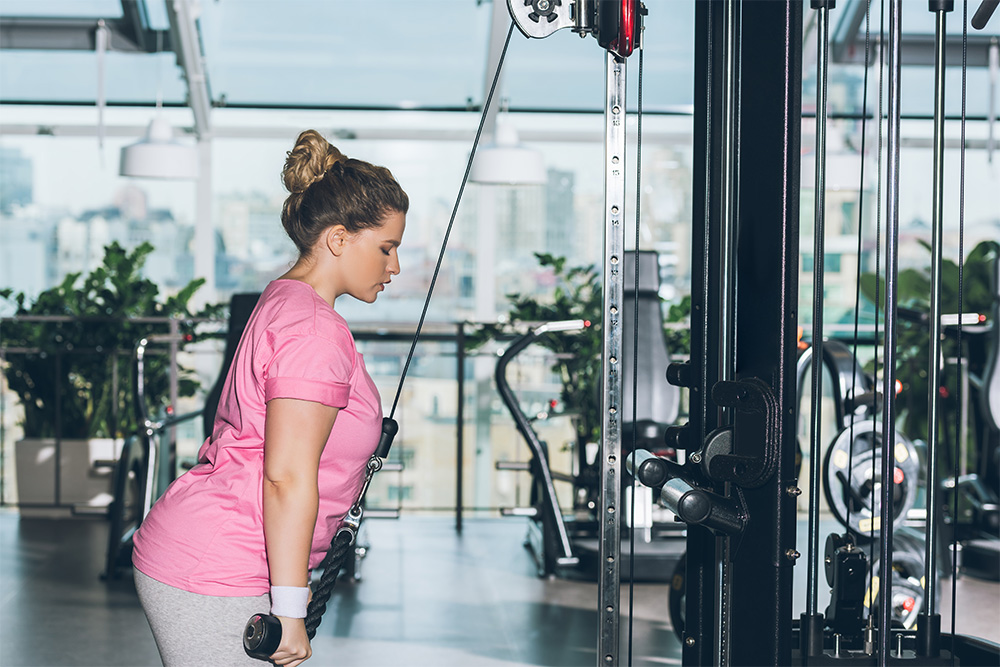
{"type": "Point", "coordinates": [298, 419]}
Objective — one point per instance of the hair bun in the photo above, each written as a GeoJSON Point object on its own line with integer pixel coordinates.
{"type": "Point", "coordinates": [309, 161]}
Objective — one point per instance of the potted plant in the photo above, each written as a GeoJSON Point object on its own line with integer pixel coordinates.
{"type": "Point", "coordinates": [912, 344]}
{"type": "Point", "coordinates": [576, 295]}
{"type": "Point", "coordinates": [73, 373]}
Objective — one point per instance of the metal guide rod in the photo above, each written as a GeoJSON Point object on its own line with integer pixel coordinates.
{"type": "Point", "coordinates": [727, 189]}
{"type": "Point", "coordinates": [727, 338]}
{"type": "Point", "coordinates": [934, 366]}
{"type": "Point", "coordinates": [609, 582]}
{"type": "Point", "coordinates": [819, 246]}
{"type": "Point", "coordinates": [727, 262]}
{"type": "Point", "coordinates": [889, 352]}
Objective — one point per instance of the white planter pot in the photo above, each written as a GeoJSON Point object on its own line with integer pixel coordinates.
{"type": "Point", "coordinates": [84, 474]}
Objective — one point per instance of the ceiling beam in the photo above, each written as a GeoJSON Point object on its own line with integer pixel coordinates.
{"type": "Point", "coordinates": [184, 29]}
{"type": "Point", "coordinates": [499, 24]}
{"type": "Point", "coordinates": [847, 42]}
{"type": "Point", "coordinates": [918, 50]}
{"type": "Point", "coordinates": [78, 35]}
{"type": "Point", "coordinates": [377, 133]}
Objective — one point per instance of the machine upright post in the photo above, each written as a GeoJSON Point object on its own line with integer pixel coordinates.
{"type": "Point", "coordinates": [729, 200]}
{"type": "Point", "coordinates": [708, 213]}
{"type": "Point", "coordinates": [764, 261]}
{"type": "Point", "coordinates": [767, 328]}
{"type": "Point", "coordinates": [609, 512]}
{"type": "Point", "coordinates": [812, 620]}
{"type": "Point", "coordinates": [889, 352]}
{"type": "Point", "coordinates": [929, 622]}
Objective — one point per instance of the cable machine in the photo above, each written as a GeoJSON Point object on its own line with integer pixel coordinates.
{"type": "Point", "coordinates": [737, 488]}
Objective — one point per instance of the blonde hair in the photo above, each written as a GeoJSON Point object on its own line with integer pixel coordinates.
{"type": "Point", "coordinates": [327, 188]}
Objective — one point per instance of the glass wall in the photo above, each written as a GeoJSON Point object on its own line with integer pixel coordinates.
{"type": "Point", "coordinates": [414, 109]}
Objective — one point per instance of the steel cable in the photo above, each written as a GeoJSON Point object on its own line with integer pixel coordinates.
{"type": "Point", "coordinates": [333, 562]}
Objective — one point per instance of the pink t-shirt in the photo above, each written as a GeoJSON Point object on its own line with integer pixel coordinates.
{"type": "Point", "coordinates": [206, 533]}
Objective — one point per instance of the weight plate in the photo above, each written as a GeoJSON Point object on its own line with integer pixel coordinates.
{"type": "Point", "coordinates": [907, 581]}
{"type": "Point", "coordinates": [851, 471]}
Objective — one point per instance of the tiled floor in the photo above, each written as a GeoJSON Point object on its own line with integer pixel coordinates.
{"type": "Point", "coordinates": [429, 597]}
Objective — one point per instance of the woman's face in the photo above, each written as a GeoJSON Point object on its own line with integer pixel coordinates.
{"type": "Point", "coordinates": [371, 259]}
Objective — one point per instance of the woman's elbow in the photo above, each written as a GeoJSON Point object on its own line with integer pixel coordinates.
{"type": "Point", "coordinates": [278, 485]}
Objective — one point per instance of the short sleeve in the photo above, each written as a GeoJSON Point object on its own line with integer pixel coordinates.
{"type": "Point", "coordinates": [310, 368]}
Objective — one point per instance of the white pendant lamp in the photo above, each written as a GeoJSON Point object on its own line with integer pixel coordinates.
{"type": "Point", "coordinates": [506, 161]}
{"type": "Point", "coordinates": [159, 155]}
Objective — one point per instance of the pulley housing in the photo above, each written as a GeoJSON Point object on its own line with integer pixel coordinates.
{"type": "Point", "coordinates": [617, 24]}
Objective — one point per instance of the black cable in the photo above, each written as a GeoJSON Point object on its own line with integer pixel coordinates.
{"type": "Point", "coordinates": [961, 298]}
{"type": "Point", "coordinates": [451, 222]}
{"type": "Point", "coordinates": [857, 288]}
{"type": "Point", "coordinates": [878, 299]}
{"type": "Point", "coordinates": [635, 355]}
{"type": "Point", "coordinates": [339, 547]}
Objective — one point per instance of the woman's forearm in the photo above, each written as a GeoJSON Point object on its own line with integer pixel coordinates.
{"type": "Point", "coordinates": [290, 508]}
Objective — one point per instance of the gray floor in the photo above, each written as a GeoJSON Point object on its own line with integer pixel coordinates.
{"type": "Point", "coordinates": [429, 597]}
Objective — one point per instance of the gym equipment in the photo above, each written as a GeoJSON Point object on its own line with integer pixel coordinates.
{"type": "Point", "coordinates": [854, 585]}
{"type": "Point", "coordinates": [140, 475]}
{"type": "Point", "coordinates": [908, 589]}
{"type": "Point", "coordinates": [854, 393]}
{"type": "Point", "coordinates": [853, 457]}
{"type": "Point", "coordinates": [548, 535]}
{"type": "Point", "coordinates": [972, 500]}
{"type": "Point", "coordinates": [657, 403]}
{"type": "Point", "coordinates": [125, 509]}
{"type": "Point", "coordinates": [852, 491]}
{"type": "Point", "coordinates": [742, 392]}
{"type": "Point", "coordinates": [261, 636]}
{"type": "Point", "coordinates": [617, 25]}
{"type": "Point", "coordinates": [263, 631]}
{"type": "Point", "coordinates": [566, 544]}
{"type": "Point", "coordinates": [240, 309]}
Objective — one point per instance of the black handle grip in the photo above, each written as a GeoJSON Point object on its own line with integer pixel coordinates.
{"type": "Point", "coordinates": [983, 14]}
{"type": "Point", "coordinates": [261, 636]}
{"type": "Point", "coordinates": [389, 430]}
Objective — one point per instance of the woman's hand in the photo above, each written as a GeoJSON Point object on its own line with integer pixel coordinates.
{"type": "Point", "coordinates": [294, 648]}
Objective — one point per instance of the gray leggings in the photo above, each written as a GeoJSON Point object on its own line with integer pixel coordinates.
{"type": "Point", "coordinates": [198, 630]}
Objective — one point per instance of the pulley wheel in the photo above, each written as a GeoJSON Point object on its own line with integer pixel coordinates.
{"type": "Point", "coordinates": [851, 471]}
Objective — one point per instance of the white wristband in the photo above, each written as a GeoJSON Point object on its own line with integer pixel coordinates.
{"type": "Point", "coordinates": [289, 601]}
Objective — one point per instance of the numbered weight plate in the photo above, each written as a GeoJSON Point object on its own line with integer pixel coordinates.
{"type": "Point", "coordinates": [851, 478]}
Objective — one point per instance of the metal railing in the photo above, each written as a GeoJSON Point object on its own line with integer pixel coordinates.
{"type": "Point", "coordinates": [448, 401]}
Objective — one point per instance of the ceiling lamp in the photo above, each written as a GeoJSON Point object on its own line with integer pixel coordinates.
{"type": "Point", "coordinates": [506, 161]}
{"type": "Point", "coordinates": [159, 155]}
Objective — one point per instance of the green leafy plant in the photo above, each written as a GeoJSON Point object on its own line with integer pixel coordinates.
{"type": "Point", "coordinates": [913, 339]}
{"type": "Point", "coordinates": [576, 294]}
{"type": "Point", "coordinates": [75, 378]}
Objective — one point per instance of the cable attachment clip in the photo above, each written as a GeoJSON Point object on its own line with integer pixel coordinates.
{"type": "Point", "coordinates": [352, 521]}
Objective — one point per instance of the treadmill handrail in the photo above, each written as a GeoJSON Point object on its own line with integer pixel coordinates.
{"type": "Point", "coordinates": [524, 424]}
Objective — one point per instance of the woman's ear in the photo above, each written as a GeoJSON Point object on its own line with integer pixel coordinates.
{"type": "Point", "coordinates": [335, 239]}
